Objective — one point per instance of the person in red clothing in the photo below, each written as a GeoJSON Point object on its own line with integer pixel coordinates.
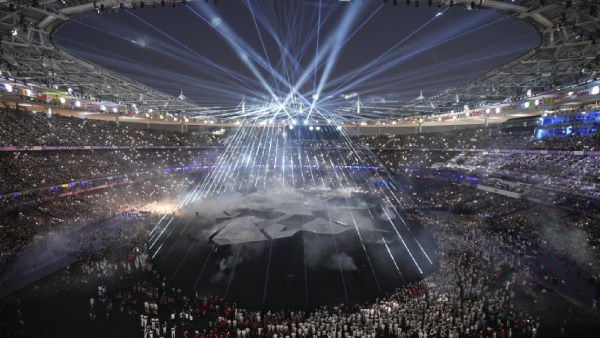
{"type": "Point", "coordinates": [185, 334]}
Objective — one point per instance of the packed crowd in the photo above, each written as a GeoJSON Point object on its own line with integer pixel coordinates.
{"type": "Point", "coordinates": [563, 172]}
{"type": "Point", "coordinates": [493, 137]}
{"type": "Point", "coordinates": [27, 224]}
{"type": "Point", "coordinates": [23, 128]}
{"type": "Point", "coordinates": [31, 182]}
{"type": "Point", "coordinates": [484, 268]}
{"type": "Point", "coordinates": [21, 171]}
{"type": "Point", "coordinates": [571, 233]}
{"type": "Point", "coordinates": [558, 171]}
{"type": "Point", "coordinates": [495, 251]}
{"type": "Point", "coordinates": [103, 254]}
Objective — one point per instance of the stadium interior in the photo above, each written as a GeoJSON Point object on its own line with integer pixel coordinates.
{"type": "Point", "coordinates": [299, 168]}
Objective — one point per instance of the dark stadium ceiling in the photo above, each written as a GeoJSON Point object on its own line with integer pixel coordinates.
{"type": "Point", "coordinates": [319, 55]}
{"type": "Point", "coordinates": [371, 49]}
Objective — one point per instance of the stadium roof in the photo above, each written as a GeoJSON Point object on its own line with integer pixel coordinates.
{"type": "Point", "coordinates": [568, 54]}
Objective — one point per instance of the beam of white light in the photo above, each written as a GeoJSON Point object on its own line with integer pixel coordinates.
{"type": "Point", "coordinates": [231, 170]}
{"type": "Point", "coordinates": [341, 32]}
{"type": "Point", "coordinates": [276, 155]}
{"type": "Point", "coordinates": [230, 143]}
{"type": "Point", "coordinates": [349, 144]}
{"type": "Point", "coordinates": [262, 42]}
{"type": "Point", "coordinates": [392, 257]}
{"type": "Point", "coordinates": [402, 240]}
{"type": "Point", "coordinates": [156, 226]}
{"type": "Point", "coordinates": [253, 157]}
{"type": "Point", "coordinates": [362, 243]}
{"type": "Point", "coordinates": [264, 160]}
{"type": "Point", "coordinates": [237, 256]}
{"type": "Point", "coordinates": [248, 161]}
{"type": "Point", "coordinates": [181, 79]}
{"type": "Point", "coordinates": [165, 49]}
{"type": "Point", "coordinates": [259, 147]}
{"type": "Point", "coordinates": [316, 63]}
{"type": "Point", "coordinates": [223, 162]}
{"type": "Point", "coordinates": [160, 234]}
{"type": "Point", "coordinates": [406, 225]}
{"type": "Point", "coordinates": [172, 246]}
{"type": "Point", "coordinates": [354, 220]}
{"type": "Point", "coordinates": [380, 84]}
{"type": "Point", "coordinates": [293, 42]}
{"type": "Point", "coordinates": [141, 68]}
{"type": "Point", "coordinates": [367, 72]}
{"type": "Point", "coordinates": [227, 72]}
{"type": "Point", "coordinates": [377, 162]}
{"type": "Point", "coordinates": [311, 171]}
{"type": "Point", "coordinates": [268, 157]}
{"type": "Point", "coordinates": [337, 253]}
{"type": "Point", "coordinates": [317, 49]}
{"type": "Point", "coordinates": [243, 50]}
{"type": "Point", "coordinates": [378, 59]}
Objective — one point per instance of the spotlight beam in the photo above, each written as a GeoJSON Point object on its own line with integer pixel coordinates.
{"type": "Point", "coordinates": [317, 49]}
{"type": "Point", "coordinates": [337, 254]}
{"type": "Point", "coordinates": [244, 52]}
{"type": "Point", "coordinates": [402, 240]}
{"type": "Point", "coordinates": [134, 64]}
{"type": "Point", "coordinates": [377, 59]}
{"type": "Point", "coordinates": [267, 273]}
{"type": "Point", "coordinates": [237, 256]}
{"type": "Point", "coordinates": [262, 42]}
{"type": "Point", "coordinates": [367, 72]}
{"type": "Point", "coordinates": [173, 246]}
{"type": "Point", "coordinates": [203, 268]}
{"type": "Point", "coordinates": [336, 41]}
{"type": "Point", "coordinates": [216, 66]}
